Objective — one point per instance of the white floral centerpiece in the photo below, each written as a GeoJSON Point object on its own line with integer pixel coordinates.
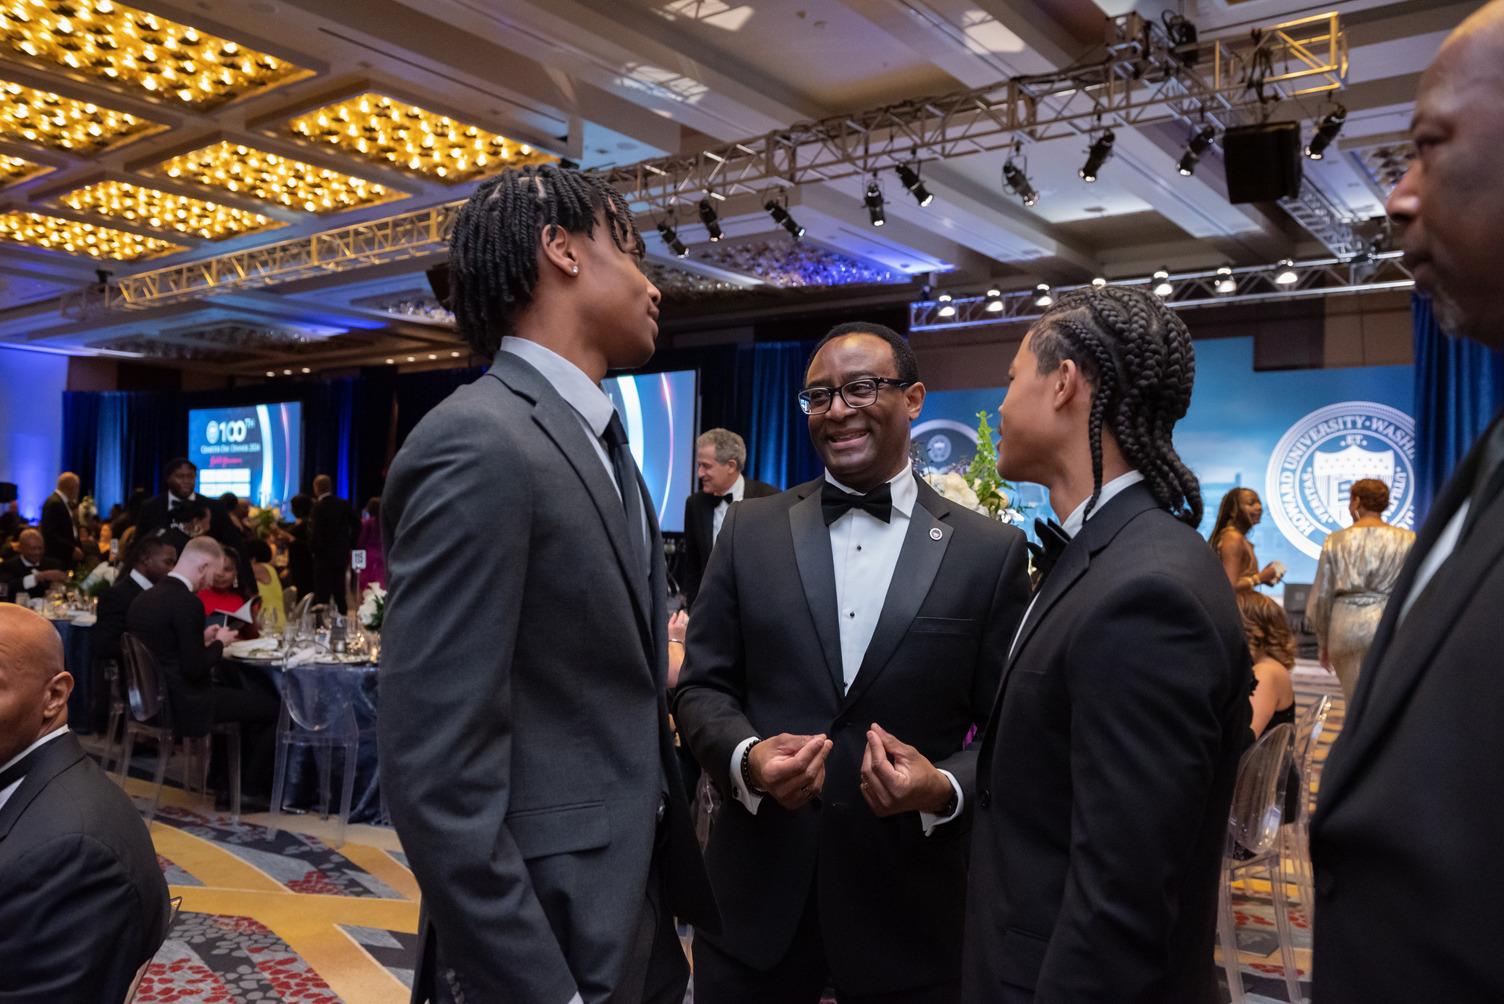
{"type": "Point", "coordinates": [98, 580]}
{"type": "Point", "coordinates": [265, 521]}
{"type": "Point", "coordinates": [980, 488]}
{"type": "Point", "coordinates": [372, 606]}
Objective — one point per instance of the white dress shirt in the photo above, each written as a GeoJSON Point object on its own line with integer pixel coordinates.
{"type": "Point", "coordinates": [29, 582]}
{"type": "Point", "coordinates": [718, 518]}
{"type": "Point", "coordinates": [10, 789]}
{"type": "Point", "coordinates": [141, 580]}
{"type": "Point", "coordinates": [864, 551]}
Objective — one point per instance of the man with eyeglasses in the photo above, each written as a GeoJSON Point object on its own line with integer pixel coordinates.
{"type": "Point", "coordinates": [847, 636]}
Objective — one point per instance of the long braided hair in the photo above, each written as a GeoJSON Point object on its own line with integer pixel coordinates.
{"type": "Point", "coordinates": [1136, 353]}
{"type": "Point", "coordinates": [493, 250]}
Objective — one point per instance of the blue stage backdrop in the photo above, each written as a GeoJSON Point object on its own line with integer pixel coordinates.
{"type": "Point", "coordinates": [31, 423]}
{"type": "Point", "coordinates": [1300, 438]}
{"type": "Point", "coordinates": [253, 450]}
{"type": "Point", "coordinates": [658, 411]}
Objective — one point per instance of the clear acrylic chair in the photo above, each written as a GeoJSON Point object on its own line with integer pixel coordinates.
{"type": "Point", "coordinates": [117, 713]}
{"type": "Point", "coordinates": [1252, 849]}
{"type": "Point", "coordinates": [318, 713]}
{"type": "Point", "coordinates": [151, 715]}
{"type": "Point", "coordinates": [1295, 834]}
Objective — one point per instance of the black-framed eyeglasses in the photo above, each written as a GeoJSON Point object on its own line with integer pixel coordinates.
{"type": "Point", "coordinates": [857, 394]}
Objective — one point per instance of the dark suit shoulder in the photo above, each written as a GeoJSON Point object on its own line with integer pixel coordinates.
{"type": "Point", "coordinates": [78, 802]}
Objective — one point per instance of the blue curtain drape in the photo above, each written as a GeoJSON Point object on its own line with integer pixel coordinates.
{"type": "Point", "coordinates": [1459, 387]}
{"type": "Point", "coordinates": [777, 433]}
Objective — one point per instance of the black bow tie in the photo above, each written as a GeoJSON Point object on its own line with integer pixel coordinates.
{"type": "Point", "coordinates": [728, 499]}
{"type": "Point", "coordinates": [835, 503]}
{"type": "Point", "coordinates": [1052, 543]}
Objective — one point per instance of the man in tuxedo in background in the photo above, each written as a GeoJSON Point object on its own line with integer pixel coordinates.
{"type": "Point", "coordinates": [1408, 821]}
{"type": "Point", "coordinates": [1108, 765]}
{"type": "Point", "coordinates": [848, 635]}
{"type": "Point", "coordinates": [531, 774]}
{"type": "Point", "coordinates": [82, 902]}
{"type": "Point", "coordinates": [332, 537]}
{"type": "Point", "coordinates": [32, 570]}
{"type": "Point", "coordinates": [720, 465]}
{"type": "Point", "coordinates": [59, 525]}
{"type": "Point", "coordinates": [160, 511]}
{"type": "Point", "coordinates": [190, 520]}
{"type": "Point", "coordinates": [143, 564]}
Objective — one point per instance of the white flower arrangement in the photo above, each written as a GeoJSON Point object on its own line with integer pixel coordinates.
{"type": "Point", "coordinates": [980, 488]}
{"type": "Point", "coordinates": [372, 606]}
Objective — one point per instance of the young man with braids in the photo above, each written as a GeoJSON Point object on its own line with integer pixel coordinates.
{"type": "Point", "coordinates": [528, 766]}
{"type": "Point", "coordinates": [1108, 763]}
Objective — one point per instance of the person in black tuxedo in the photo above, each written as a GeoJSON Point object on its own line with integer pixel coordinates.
{"type": "Point", "coordinates": [31, 571]}
{"type": "Point", "coordinates": [848, 635]}
{"type": "Point", "coordinates": [720, 463]}
{"type": "Point", "coordinates": [1107, 767]}
{"type": "Point", "coordinates": [83, 904]}
{"type": "Point", "coordinates": [333, 531]}
{"type": "Point", "coordinates": [1408, 820]}
{"type": "Point", "coordinates": [531, 773]}
{"type": "Point", "coordinates": [142, 565]}
{"type": "Point", "coordinates": [160, 512]}
{"type": "Point", "coordinates": [169, 620]}
{"type": "Point", "coordinates": [59, 525]}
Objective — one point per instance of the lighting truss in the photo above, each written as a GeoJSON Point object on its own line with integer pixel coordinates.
{"type": "Point", "coordinates": [1142, 79]}
{"type": "Point", "coordinates": [1364, 273]}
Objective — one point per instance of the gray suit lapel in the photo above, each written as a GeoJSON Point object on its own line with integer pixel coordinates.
{"type": "Point", "coordinates": [817, 572]}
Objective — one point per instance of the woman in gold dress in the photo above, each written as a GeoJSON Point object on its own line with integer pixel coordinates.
{"type": "Point", "coordinates": [1240, 511]}
{"type": "Point", "coordinates": [1356, 573]}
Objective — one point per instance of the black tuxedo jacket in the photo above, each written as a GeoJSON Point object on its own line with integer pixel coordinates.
{"type": "Point", "coordinates": [58, 530]}
{"type": "Point", "coordinates": [1107, 772]}
{"type": "Point", "coordinates": [14, 572]}
{"type": "Point", "coordinates": [114, 604]}
{"type": "Point", "coordinates": [1409, 821]}
{"type": "Point", "coordinates": [333, 531]}
{"type": "Point", "coordinates": [82, 900]}
{"type": "Point", "coordinates": [699, 534]}
{"type": "Point", "coordinates": [170, 621]}
{"type": "Point", "coordinates": [527, 768]}
{"type": "Point", "coordinates": [764, 657]}
{"type": "Point", "coordinates": [155, 516]}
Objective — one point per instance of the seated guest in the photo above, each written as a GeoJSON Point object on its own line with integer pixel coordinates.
{"type": "Point", "coordinates": [1272, 648]}
{"type": "Point", "coordinates": [169, 620]}
{"type": "Point", "coordinates": [32, 571]}
{"type": "Point", "coordinates": [142, 566]}
{"type": "Point", "coordinates": [82, 902]}
{"type": "Point", "coordinates": [273, 608]}
{"type": "Point", "coordinates": [224, 593]}
{"type": "Point", "coordinates": [720, 459]}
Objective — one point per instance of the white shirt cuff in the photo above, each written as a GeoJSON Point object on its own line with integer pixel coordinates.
{"type": "Point", "coordinates": [750, 799]}
{"type": "Point", "coordinates": [30, 582]}
{"type": "Point", "coordinates": [929, 820]}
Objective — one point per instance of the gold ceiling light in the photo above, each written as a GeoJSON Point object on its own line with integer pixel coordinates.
{"type": "Point", "coordinates": [14, 169]}
{"type": "Point", "coordinates": [138, 51]}
{"type": "Point", "coordinates": [148, 207]}
{"type": "Point", "coordinates": [72, 237]}
{"type": "Point", "coordinates": [42, 118]}
{"type": "Point", "coordinates": [393, 133]}
{"type": "Point", "coordinates": [275, 179]}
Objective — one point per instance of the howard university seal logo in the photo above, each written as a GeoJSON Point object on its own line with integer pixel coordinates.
{"type": "Point", "coordinates": [1321, 456]}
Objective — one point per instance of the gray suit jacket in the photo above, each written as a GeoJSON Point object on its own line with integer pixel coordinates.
{"type": "Point", "coordinates": [525, 748]}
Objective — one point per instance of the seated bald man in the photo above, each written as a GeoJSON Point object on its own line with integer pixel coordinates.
{"type": "Point", "coordinates": [82, 901]}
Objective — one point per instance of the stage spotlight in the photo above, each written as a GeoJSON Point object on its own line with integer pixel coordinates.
{"type": "Point", "coordinates": [1099, 282]}
{"type": "Point", "coordinates": [671, 240]}
{"type": "Point", "coordinates": [1097, 156]}
{"type": "Point", "coordinates": [910, 179]}
{"type": "Point", "coordinates": [1225, 283]}
{"type": "Point", "coordinates": [1286, 275]}
{"type": "Point", "coordinates": [1162, 285]}
{"type": "Point", "coordinates": [874, 201]}
{"type": "Point", "coordinates": [1042, 297]}
{"type": "Point", "coordinates": [1017, 182]}
{"type": "Point", "coordinates": [1326, 132]}
{"type": "Point", "coordinates": [1198, 145]}
{"type": "Point", "coordinates": [947, 308]}
{"type": "Point", "coordinates": [783, 219]}
{"type": "Point", "coordinates": [994, 301]}
{"type": "Point", "coordinates": [711, 221]}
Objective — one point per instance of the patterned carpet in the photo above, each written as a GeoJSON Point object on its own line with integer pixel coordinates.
{"type": "Point", "coordinates": [289, 918]}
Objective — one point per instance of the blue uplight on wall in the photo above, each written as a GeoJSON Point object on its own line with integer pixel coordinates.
{"type": "Point", "coordinates": [31, 423]}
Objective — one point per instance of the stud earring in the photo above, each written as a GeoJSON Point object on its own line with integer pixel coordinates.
{"type": "Point", "coordinates": [575, 270]}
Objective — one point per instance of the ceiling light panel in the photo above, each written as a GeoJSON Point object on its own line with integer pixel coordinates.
{"type": "Point", "coordinates": [148, 207]}
{"type": "Point", "coordinates": [138, 51]}
{"type": "Point", "coordinates": [392, 133]}
{"type": "Point", "coordinates": [54, 233]}
{"type": "Point", "coordinates": [42, 118]}
{"type": "Point", "coordinates": [15, 169]}
{"type": "Point", "coordinates": [275, 179]}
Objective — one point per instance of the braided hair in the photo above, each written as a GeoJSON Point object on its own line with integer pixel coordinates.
{"type": "Point", "coordinates": [1136, 353]}
{"type": "Point", "coordinates": [493, 249]}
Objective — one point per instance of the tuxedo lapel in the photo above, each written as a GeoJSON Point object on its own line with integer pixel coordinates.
{"type": "Point", "coordinates": [50, 760]}
{"type": "Point", "coordinates": [817, 573]}
{"type": "Point", "coordinates": [919, 561]}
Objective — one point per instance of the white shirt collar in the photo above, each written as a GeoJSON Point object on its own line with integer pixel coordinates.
{"type": "Point", "coordinates": [1073, 523]}
{"type": "Point", "coordinates": [738, 490]}
{"type": "Point", "coordinates": [905, 489]}
{"type": "Point", "coordinates": [568, 379]}
{"type": "Point", "coordinates": [140, 579]}
{"type": "Point", "coordinates": [171, 498]}
{"type": "Point", "coordinates": [44, 740]}
{"type": "Point", "coordinates": [183, 579]}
